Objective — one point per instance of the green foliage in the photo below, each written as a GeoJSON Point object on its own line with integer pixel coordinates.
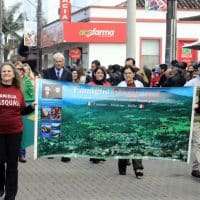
{"type": "Point", "coordinates": [158, 130]}
{"type": "Point", "coordinates": [12, 24]}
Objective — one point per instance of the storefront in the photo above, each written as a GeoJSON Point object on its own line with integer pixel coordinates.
{"type": "Point", "coordinates": [99, 32]}
{"type": "Point", "coordinates": [83, 42]}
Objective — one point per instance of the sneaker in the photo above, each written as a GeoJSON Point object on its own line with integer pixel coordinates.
{"type": "Point", "coordinates": [50, 157]}
{"type": "Point", "coordinates": [65, 159]}
{"type": "Point", "coordinates": [22, 159]}
{"type": "Point", "coordinates": [195, 173]}
{"type": "Point", "coordinates": [94, 160]}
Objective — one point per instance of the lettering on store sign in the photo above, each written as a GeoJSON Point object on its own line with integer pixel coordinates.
{"type": "Point", "coordinates": [95, 32]}
{"type": "Point", "coordinates": [65, 10]}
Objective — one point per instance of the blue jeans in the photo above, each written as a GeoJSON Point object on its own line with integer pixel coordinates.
{"type": "Point", "coordinates": [22, 152]}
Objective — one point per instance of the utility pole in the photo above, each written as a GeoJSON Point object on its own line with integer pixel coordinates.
{"type": "Point", "coordinates": [131, 29]}
{"type": "Point", "coordinates": [39, 34]}
{"type": "Point", "coordinates": [171, 30]}
{"type": "Point", "coordinates": [1, 32]}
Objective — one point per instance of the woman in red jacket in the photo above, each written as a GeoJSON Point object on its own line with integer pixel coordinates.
{"type": "Point", "coordinates": [12, 106]}
{"type": "Point", "coordinates": [99, 77]}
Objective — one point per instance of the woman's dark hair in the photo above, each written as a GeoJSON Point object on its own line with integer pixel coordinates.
{"type": "Point", "coordinates": [96, 62]}
{"type": "Point", "coordinates": [133, 69]}
{"type": "Point", "coordinates": [163, 66]}
{"type": "Point", "coordinates": [132, 59]}
{"type": "Point", "coordinates": [16, 80]}
{"type": "Point", "coordinates": [94, 72]}
{"type": "Point", "coordinates": [175, 63]}
{"type": "Point", "coordinates": [79, 72]}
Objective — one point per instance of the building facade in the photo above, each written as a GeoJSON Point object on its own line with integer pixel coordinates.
{"type": "Point", "coordinates": [150, 35]}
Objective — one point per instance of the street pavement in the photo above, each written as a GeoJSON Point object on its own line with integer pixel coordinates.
{"type": "Point", "coordinates": [46, 179]}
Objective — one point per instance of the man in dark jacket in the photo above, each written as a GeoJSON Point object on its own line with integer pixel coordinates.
{"type": "Point", "coordinates": [176, 78]}
{"type": "Point", "coordinates": [94, 65]}
{"type": "Point", "coordinates": [59, 72]}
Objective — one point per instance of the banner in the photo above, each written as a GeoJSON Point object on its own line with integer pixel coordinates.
{"type": "Point", "coordinates": [30, 33]}
{"type": "Point", "coordinates": [184, 54]}
{"type": "Point", "coordinates": [155, 4]}
{"type": "Point", "coordinates": [111, 122]}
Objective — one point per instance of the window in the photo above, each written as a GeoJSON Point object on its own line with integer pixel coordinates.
{"type": "Point", "coordinates": [150, 52]}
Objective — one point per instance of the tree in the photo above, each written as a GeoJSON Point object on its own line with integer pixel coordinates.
{"type": "Point", "coordinates": [12, 24]}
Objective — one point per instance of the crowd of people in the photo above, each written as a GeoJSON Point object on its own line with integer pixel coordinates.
{"type": "Point", "coordinates": [174, 75]}
{"type": "Point", "coordinates": [177, 74]}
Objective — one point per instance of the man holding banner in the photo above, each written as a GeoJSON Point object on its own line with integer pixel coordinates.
{"type": "Point", "coordinates": [59, 72]}
{"type": "Point", "coordinates": [195, 82]}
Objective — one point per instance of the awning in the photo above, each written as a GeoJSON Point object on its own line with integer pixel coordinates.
{"type": "Point", "coordinates": [194, 45]}
{"type": "Point", "coordinates": [192, 18]}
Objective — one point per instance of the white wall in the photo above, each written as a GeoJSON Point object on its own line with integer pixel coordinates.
{"type": "Point", "coordinates": [116, 53]}
{"type": "Point", "coordinates": [107, 53]}
{"type": "Point", "coordinates": [149, 29]}
{"type": "Point", "coordinates": [84, 3]}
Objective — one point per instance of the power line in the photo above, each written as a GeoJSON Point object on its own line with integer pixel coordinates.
{"type": "Point", "coordinates": [34, 5]}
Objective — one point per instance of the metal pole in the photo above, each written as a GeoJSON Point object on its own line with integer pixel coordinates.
{"type": "Point", "coordinates": [1, 33]}
{"type": "Point", "coordinates": [39, 31]}
{"type": "Point", "coordinates": [131, 29]}
{"type": "Point", "coordinates": [171, 31]}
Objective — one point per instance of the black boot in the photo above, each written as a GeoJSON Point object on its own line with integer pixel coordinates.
{"type": "Point", "coordinates": [1, 192]}
{"type": "Point", "coordinates": [122, 163]}
{"type": "Point", "coordinates": [95, 160]}
{"type": "Point", "coordinates": [9, 197]}
{"type": "Point", "coordinates": [195, 173]}
{"type": "Point", "coordinates": [65, 159]}
{"type": "Point", "coordinates": [138, 167]}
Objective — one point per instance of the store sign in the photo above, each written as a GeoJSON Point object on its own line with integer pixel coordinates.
{"type": "Point", "coordinates": [65, 10]}
{"type": "Point", "coordinates": [75, 53]}
{"type": "Point", "coordinates": [95, 32]}
{"type": "Point", "coordinates": [184, 54]}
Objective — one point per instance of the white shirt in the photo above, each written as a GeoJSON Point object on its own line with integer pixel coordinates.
{"type": "Point", "coordinates": [137, 84]}
{"type": "Point", "coordinates": [193, 82]}
{"type": "Point", "coordinates": [59, 71]}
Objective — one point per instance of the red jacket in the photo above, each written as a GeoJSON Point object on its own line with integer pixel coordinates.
{"type": "Point", "coordinates": [11, 104]}
{"type": "Point", "coordinates": [106, 84]}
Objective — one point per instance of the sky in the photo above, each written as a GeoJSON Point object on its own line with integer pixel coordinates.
{"type": "Point", "coordinates": [50, 7]}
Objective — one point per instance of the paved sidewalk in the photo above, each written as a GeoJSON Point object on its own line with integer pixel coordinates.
{"type": "Point", "coordinates": [79, 179]}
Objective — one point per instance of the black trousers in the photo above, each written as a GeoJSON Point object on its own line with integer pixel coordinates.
{"type": "Point", "coordinates": [122, 164]}
{"type": "Point", "coordinates": [9, 151]}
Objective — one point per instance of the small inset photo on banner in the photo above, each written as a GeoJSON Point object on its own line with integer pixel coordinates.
{"type": "Point", "coordinates": [55, 126]}
{"type": "Point", "coordinates": [56, 113]}
{"type": "Point", "coordinates": [45, 113]}
{"type": "Point", "coordinates": [55, 133]}
{"type": "Point", "coordinates": [45, 130]}
{"type": "Point", "coordinates": [52, 91]}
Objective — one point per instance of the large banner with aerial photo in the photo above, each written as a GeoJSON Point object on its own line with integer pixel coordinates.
{"type": "Point", "coordinates": [111, 122]}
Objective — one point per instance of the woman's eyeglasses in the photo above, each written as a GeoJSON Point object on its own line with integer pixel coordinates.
{"type": "Point", "coordinates": [20, 69]}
